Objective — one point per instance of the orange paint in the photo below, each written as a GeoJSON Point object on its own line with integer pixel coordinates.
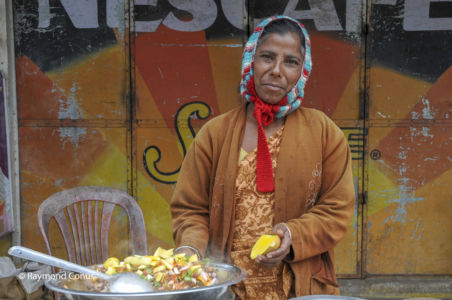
{"type": "Point", "coordinates": [422, 145]}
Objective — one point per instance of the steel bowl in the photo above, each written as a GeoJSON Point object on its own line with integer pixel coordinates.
{"type": "Point", "coordinates": [227, 275]}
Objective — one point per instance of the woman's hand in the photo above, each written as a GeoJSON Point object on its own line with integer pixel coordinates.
{"type": "Point", "coordinates": [272, 259]}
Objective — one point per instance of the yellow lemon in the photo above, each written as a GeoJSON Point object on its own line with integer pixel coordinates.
{"type": "Point", "coordinates": [266, 243]}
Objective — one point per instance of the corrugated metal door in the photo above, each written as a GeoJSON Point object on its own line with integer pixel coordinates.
{"type": "Point", "coordinates": [73, 104]}
{"type": "Point", "coordinates": [108, 97]}
{"type": "Point", "coordinates": [112, 93]}
{"type": "Point", "coordinates": [408, 166]}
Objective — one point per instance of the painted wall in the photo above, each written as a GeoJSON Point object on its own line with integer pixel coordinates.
{"type": "Point", "coordinates": [5, 196]}
{"type": "Point", "coordinates": [112, 93]}
{"type": "Point", "coordinates": [407, 219]}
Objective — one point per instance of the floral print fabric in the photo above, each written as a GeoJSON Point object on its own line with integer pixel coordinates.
{"type": "Point", "coordinates": [254, 215]}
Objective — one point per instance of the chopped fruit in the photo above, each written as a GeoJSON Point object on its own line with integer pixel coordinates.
{"type": "Point", "coordinates": [163, 253]}
{"type": "Point", "coordinates": [111, 271]}
{"type": "Point", "coordinates": [111, 262]}
{"type": "Point", "coordinates": [167, 264]}
{"type": "Point", "coordinates": [158, 277]}
{"type": "Point", "coordinates": [265, 244]}
{"type": "Point", "coordinates": [164, 269]}
{"type": "Point", "coordinates": [193, 258]}
{"type": "Point", "coordinates": [158, 269]}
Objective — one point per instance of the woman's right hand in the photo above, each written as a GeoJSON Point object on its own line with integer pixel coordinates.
{"type": "Point", "coordinates": [272, 259]}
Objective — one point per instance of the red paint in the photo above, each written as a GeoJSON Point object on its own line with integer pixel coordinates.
{"type": "Point", "coordinates": [333, 63]}
{"type": "Point", "coordinates": [176, 69]}
{"type": "Point", "coordinates": [37, 95]}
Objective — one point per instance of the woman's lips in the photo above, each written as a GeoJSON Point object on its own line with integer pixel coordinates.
{"type": "Point", "coordinates": [273, 87]}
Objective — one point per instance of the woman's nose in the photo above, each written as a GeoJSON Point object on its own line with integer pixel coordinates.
{"type": "Point", "coordinates": [276, 68]}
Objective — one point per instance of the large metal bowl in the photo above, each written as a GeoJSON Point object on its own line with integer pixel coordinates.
{"type": "Point", "coordinates": [227, 275]}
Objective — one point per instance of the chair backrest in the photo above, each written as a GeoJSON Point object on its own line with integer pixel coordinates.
{"type": "Point", "coordinates": [83, 215]}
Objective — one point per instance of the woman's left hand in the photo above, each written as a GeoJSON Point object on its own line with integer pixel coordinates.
{"type": "Point", "coordinates": [272, 259]}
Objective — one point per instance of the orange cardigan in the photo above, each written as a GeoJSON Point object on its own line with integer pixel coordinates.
{"type": "Point", "coordinates": [314, 192]}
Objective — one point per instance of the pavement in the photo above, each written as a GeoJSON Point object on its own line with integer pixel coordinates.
{"type": "Point", "coordinates": [398, 287]}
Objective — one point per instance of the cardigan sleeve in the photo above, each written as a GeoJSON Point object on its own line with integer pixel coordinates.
{"type": "Point", "coordinates": [190, 202]}
{"type": "Point", "coordinates": [325, 224]}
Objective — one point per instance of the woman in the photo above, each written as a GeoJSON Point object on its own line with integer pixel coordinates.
{"type": "Point", "coordinates": [269, 165]}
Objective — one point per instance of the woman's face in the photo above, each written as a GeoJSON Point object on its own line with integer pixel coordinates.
{"type": "Point", "coordinates": [277, 66]}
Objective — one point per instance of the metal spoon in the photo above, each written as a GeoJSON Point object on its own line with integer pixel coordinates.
{"type": "Point", "coordinates": [120, 283]}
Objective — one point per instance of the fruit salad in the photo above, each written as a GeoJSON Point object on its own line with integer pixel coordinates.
{"type": "Point", "coordinates": [164, 269]}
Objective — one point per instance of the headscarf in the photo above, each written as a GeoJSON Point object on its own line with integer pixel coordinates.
{"type": "Point", "coordinates": [264, 112]}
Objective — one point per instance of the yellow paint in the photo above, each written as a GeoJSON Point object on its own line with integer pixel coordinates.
{"type": "Point", "coordinates": [186, 138]}
{"type": "Point", "coordinates": [156, 212]}
{"type": "Point", "coordinates": [171, 158]}
{"type": "Point", "coordinates": [436, 210]}
{"type": "Point", "coordinates": [184, 121]}
{"type": "Point", "coordinates": [393, 94]}
{"type": "Point", "coordinates": [412, 237]}
{"type": "Point", "coordinates": [378, 182]}
{"type": "Point", "coordinates": [90, 83]}
{"type": "Point", "coordinates": [5, 244]}
{"type": "Point", "coordinates": [347, 250]}
{"type": "Point", "coordinates": [152, 196]}
{"type": "Point", "coordinates": [152, 157]}
{"type": "Point", "coordinates": [152, 135]}
{"type": "Point", "coordinates": [348, 106]}
{"type": "Point", "coordinates": [355, 137]}
{"type": "Point", "coordinates": [226, 63]}
{"type": "Point", "coordinates": [37, 189]}
{"type": "Point", "coordinates": [107, 169]}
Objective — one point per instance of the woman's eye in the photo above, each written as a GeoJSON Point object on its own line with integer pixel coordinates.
{"type": "Point", "coordinates": [266, 56]}
{"type": "Point", "coordinates": [292, 62]}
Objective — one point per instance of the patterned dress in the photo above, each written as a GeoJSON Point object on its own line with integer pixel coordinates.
{"type": "Point", "coordinates": [254, 215]}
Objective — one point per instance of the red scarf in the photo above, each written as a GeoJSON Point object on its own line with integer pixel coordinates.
{"type": "Point", "coordinates": [264, 114]}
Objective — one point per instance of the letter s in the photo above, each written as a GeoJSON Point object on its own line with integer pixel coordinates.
{"type": "Point", "coordinates": [204, 13]}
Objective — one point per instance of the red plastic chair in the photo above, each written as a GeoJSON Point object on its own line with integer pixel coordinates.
{"type": "Point", "coordinates": [83, 215]}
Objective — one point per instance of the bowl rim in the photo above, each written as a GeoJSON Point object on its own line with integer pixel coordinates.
{"type": "Point", "coordinates": [239, 275]}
